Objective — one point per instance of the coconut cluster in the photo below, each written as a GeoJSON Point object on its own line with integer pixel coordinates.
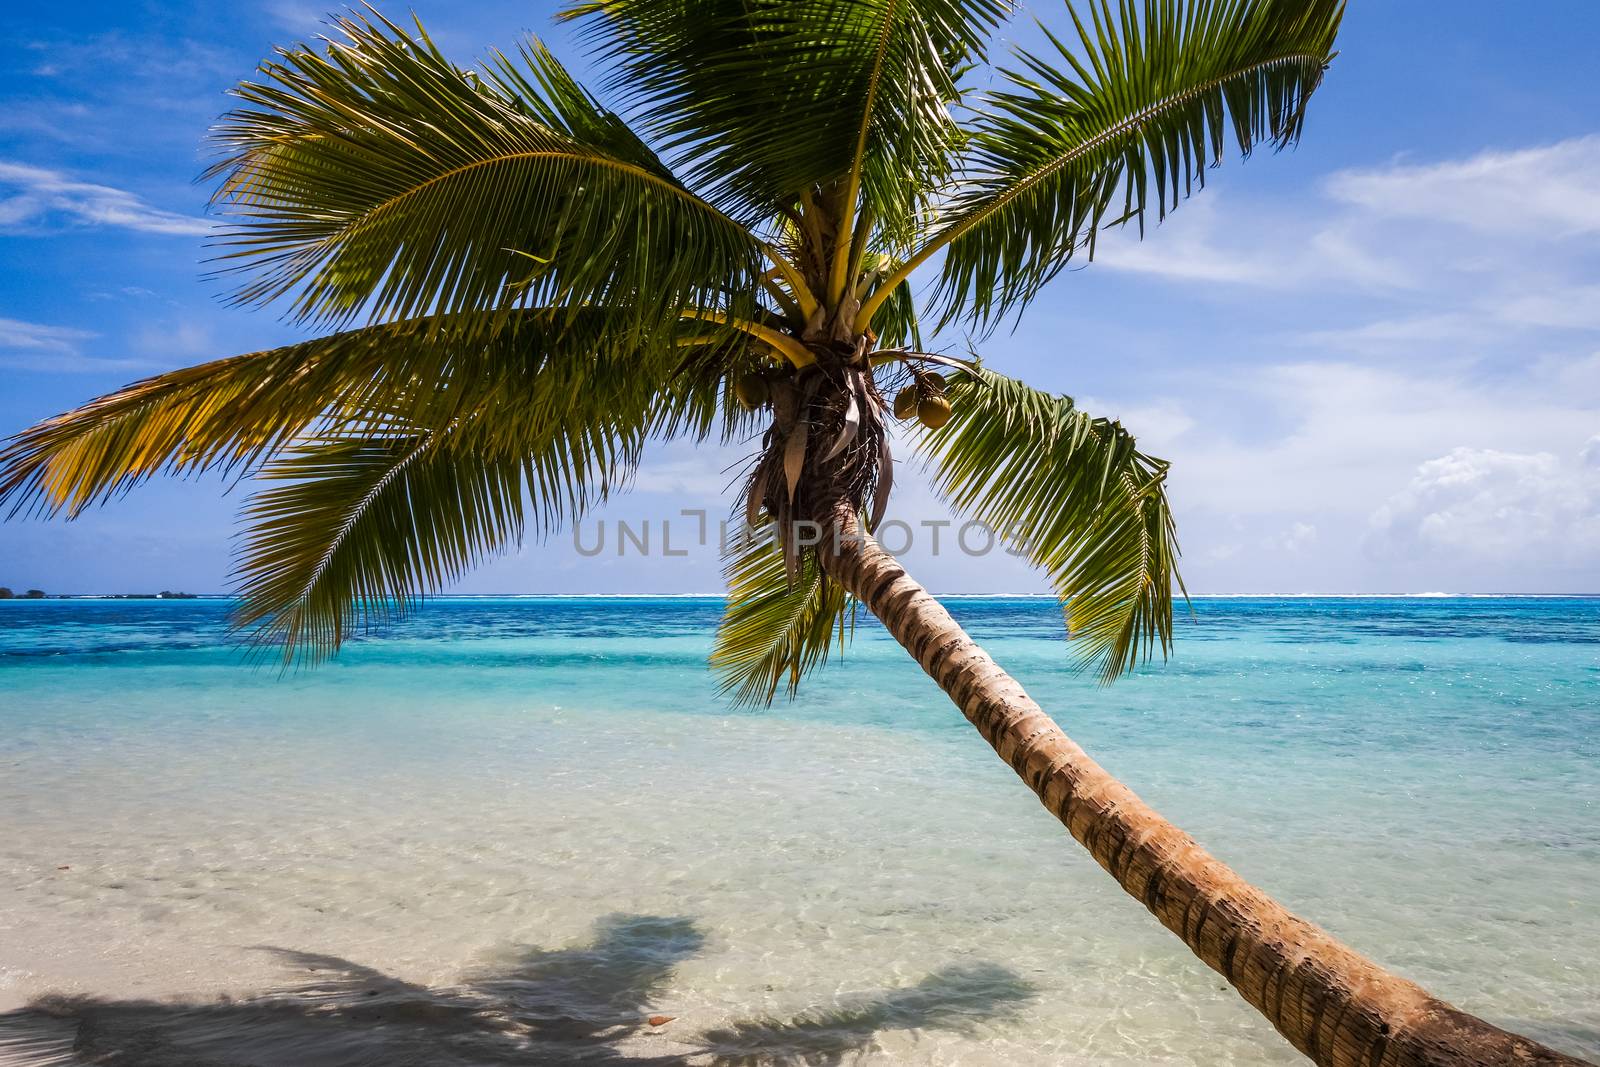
{"type": "Point", "coordinates": [924, 399]}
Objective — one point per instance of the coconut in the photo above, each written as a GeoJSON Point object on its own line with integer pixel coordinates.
{"type": "Point", "coordinates": [934, 411]}
{"type": "Point", "coordinates": [905, 402]}
{"type": "Point", "coordinates": [752, 391]}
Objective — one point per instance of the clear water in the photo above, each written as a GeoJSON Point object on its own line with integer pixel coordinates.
{"type": "Point", "coordinates": [509, 831]}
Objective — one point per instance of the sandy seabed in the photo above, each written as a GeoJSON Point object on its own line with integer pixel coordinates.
{"type": "Point", "coordinates": [426, 864]}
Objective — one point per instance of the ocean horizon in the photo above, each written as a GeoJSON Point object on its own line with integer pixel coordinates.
{"type": "Point", "coordinates": [512, 828]}
{"type": "Point", "coordinates": [719, 595]}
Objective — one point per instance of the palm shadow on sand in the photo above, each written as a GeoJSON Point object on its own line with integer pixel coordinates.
{"type": "Point", "coordinates": [573, 1005]}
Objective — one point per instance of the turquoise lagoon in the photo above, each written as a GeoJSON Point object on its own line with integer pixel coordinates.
{"type": "Point", "coordinates": [510, 829]}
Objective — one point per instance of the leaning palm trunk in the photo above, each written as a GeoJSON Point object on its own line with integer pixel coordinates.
{"type": "Point", "coordinates": [549, 287]}
{"type": "Point", "coordinates": [1333, 1004]}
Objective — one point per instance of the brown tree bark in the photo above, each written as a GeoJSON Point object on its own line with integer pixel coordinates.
{"type": "Point", "coordinates": [1333, 1004]}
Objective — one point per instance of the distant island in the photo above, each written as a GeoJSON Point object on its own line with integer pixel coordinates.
{"type": "Point", "coordinates": [40, 594]}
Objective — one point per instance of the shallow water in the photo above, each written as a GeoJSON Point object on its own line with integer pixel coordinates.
{"type": "Point", "coordinates": [509, 830]}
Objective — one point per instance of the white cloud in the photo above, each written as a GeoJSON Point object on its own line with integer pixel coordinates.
{"type": "Point", "coordinates": [686, 471]}
{"type": "Point", "coordinates": [1276, 482]}
{"type": "Point", "coordinates": [131, 292]}
{"type": "Point", "coordinates": [1345, 251]}
{"type": "Point", "coordinates": [1297, 538]}
{"type": "Point", "coordinates": [1218, 551]}
{"type": "Point", "coordinates": [1484, 504]}
{"type": "Point", "coordinates": [168, 87]}
{"type": "Point", "coordinates": [1404, 359]}
{"type": "Point", "coordinates": [1157, 422]}
{"type": "Point", "coordinates": [38, 337]}
{"type": "Point", "coordinates": [1186, 247]}
{"type": "Point", "coordinates": [1545, 190]}
{"type": "Point", "coordinates": [1405, 333]}
{"type": "Point", "coordinates": [40, 196]}
{"type": "Point", "coordinates": [1302, 438]}
{"type": "Point", "coordinates": [1469, 249]}
{"type": "Point", "coordinates": [1575, 307]}
{"type": "Point", "coordinates": [39, 346]}
{"type": "Point", "coordinates": [175, 341]}
{"type": "Point", "coordinates": [302, 18]}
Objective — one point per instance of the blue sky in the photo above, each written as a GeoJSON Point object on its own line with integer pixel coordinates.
{"type": "Point", "coordinates": [1374, 361]}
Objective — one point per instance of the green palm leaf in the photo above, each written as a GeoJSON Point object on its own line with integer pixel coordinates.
{"type": "Point", "coordinates": [232, 414]}
{"type": "Point", "coordinates": [772, 97]}
{"type": "Point", "coordinates": [1151, 96]}
{"type": "Point", "coordinates": [380, 177]}
{"type": "Point", "coordinates": [378, 508]}
{"type": "Point", "coordinates": [775, 630]}
{"type": "Point", "coordinates": [223, 414]}
{"type": "Point", "coordinates": [478, 435]}
{"type": "Point", "coordinates": [1078, 497]}
{"type": "Point", "coordinates": [362, 525]}
{"type": "Point", "coordinates": [896, 324]}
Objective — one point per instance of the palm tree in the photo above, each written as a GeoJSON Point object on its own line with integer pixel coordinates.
{"type": "Point", "coordinates": [528, 288]}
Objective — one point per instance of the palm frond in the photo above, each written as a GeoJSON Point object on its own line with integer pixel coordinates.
{"type": "Point", "coordinates": [378, 177]}
{"type": "Point", "coordinates": [1152, 95]}
{"type": "Point", "coordinates": [772, 97]}
{"type": "Point", "coordinates": [361, 525]}
{"type": "Point", "coordinates": [1076, 495]}
{"type": "Point", "coordinates": [377, 508]}
{"type": "Point", "coordinates": [896, 325]}
{"type": "Point", "coordinates": [774, 631]}
{"type": "Point", "coordinates": [232, 414]}
{"type": "Point", "coordinates": [225, 414]}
